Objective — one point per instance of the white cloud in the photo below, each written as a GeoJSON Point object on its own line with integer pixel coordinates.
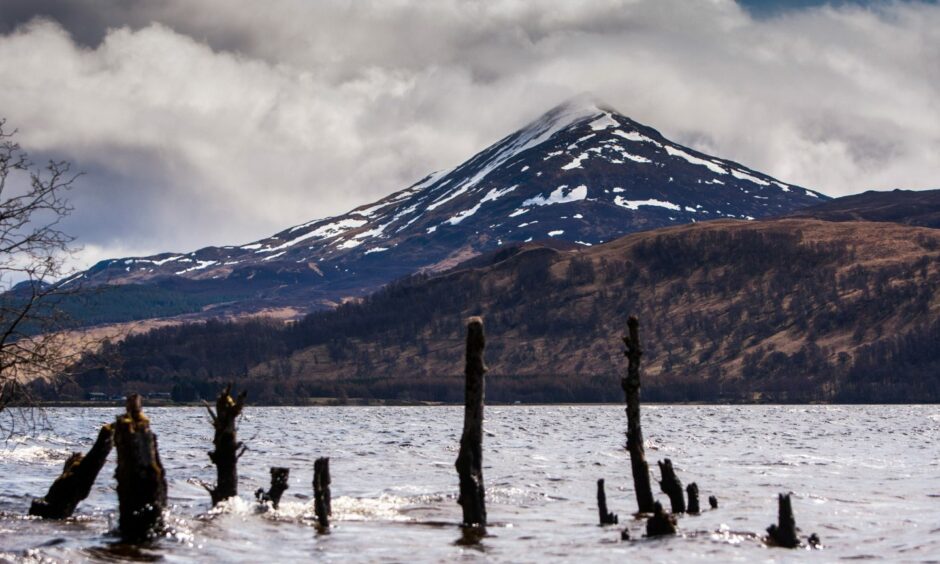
{"type": "Point", "coordinates": [223, 121]}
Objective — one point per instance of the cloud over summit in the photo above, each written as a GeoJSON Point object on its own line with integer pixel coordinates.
{"type": "Point", "coordinates": [224, 121]}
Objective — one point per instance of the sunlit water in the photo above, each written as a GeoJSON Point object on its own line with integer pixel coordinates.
{"type": "Point", "coordinates": [865, 478]}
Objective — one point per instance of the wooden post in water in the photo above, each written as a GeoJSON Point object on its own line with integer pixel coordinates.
{"type": "Point", "coordinates": [692, 490]}
{"type": "Point", "coordinates": [713, 502]}
{"type": "Point", "coordinates": [76, 480]}
{"type": "Point", "coordinates": [784, 532]}
{"type": "Point", "coordinates": [470, 460]}
{"type": "Point", "coordinates": [227, 448]}
{"type": "Point", "coordinates": [141, 482]}
{"type": "Point", "coordinates": [322, 504]}
{"type": "Point", "coordinates": [660, 522]}
{"type": "Point", "coordinates": [671, 486]}
{"type": "Point", "coordinates": [606, 517]}
{"type": "Point", "coordinates": [279, 477]}
{"type": "Point", "coordinates": [631, 389]}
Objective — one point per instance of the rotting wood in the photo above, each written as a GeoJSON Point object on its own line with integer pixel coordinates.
{"type": "Point", "coordinates": [469, 462]}
{"type": "Point", "coordinates": [227, 449]}
{"type": "Point", "coordinates": [783, 534]}
{"type": "Point", "coordinates": [141, 481]}
{"type": "Point", "coordinates": [660, 522]}
{"type": "Point", "coordinates": [671, 486]}
{"type": "Point", "coordinates": [78, 476]}
{"type": "Point", "coordinates": [692, 491]}
{"type": "Point", "coordinates": [631, 389]}
{"type": "Point", "coordinates": [322, 504]}
{"type": "Point", "coordinates": [606, 517]}
{"type": "Point", "coordinates": [279, 479]}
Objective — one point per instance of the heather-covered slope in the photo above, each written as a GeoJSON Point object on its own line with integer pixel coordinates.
{"type": "Point", "coordinates": [785, 309]}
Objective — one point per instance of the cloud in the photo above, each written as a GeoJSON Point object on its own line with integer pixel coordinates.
{"type": "Point", "coordinates": [224, 121]}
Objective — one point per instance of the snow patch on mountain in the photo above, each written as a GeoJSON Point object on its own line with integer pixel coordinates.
{"type": "Point", "coordinates": [676, 152]}
{"type": "Point", "coordinates": [635, 204]}
{"type": "Point", "coordinates": [558, 196]}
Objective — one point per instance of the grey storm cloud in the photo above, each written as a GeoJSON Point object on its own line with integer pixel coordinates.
{"type": "Point", "coordinates": [223, 121]}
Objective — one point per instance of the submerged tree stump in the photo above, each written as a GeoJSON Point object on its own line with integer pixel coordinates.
{"type": "Point", "coordinates": [784, 532]}
{"type": "Point", "coordinates": [631, 389]}
{"type": "Point", "coordinates": [660, 522]}
{"type": "Point", "coordinates": [227, 448]}
{"type": "Point", "coordinates": [713, 502]}
{"type": "Point", "coordinates": [470, 459]}
{"type": "Point", "coordinates": [322, 504]}
{"type": "Point", "coordinates": [141, 482]}
{"type": "Point", "coordinates": [279, 478]}
{"type": "Point", "coordinates": [74, 485]}
{"type": "Point", "coordinates": [692, 491]}
{"type": "Point", "coordinates": [672, 487]}
{"type": "Point", "coordinates": [606, 517]}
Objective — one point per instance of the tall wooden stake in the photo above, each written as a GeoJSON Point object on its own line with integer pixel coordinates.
{"type": "Point", "coordinates": [631, 389]}
{"type": "Point", "coordinates": [470, 460]}
{"type": "Point", "coordinates": [605, 516]}
{"type": "Point", "coordinates": [322, 504]}
{"type": "Point", "coordinates": [141, 482]}
{"type": "Point", "coordinates": [671, 486]}
{"type": "Point", "coordinates": [76, 480]}
{"type": "Point", "coordinates": [784, 532]}
{"type": "Point", "coordinates": [227, 448]}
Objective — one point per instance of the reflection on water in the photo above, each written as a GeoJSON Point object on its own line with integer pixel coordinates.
{"type": "Point", "coordinates": [865, 478]}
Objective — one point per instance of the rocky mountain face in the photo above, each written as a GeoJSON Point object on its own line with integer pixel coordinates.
{"type": "Point", "coordinates": [730, 310]}
{"type": "Point", "coordinates": [581, 174]}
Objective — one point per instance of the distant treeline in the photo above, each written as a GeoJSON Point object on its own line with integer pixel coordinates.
{"type": "Point", "coordinates": [742, 314]}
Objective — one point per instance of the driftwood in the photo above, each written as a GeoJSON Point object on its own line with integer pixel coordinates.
{"type": "Point", "coordinates": [227, 449]}
{"type": "Point", "coordinates": [784, 532]}
{"type": "Point", "coordinates": [321, 491]}
{"type": "Point", "coordinates": [692, 491]}
{"type": "Point", "coordinates": [76, 480]}
{"type": "Point", "coordinates": [279, 477]}
{"type": "Point", "coordinates": [631, 389]}
{"type": "Point", "coordinates": [470, 460]}
{"type": "Point", "coordinates": [606, 517]}
{"type": "Point", "coordinates": [141, 482]}
{"type": "Point", "coordinates": [713, 502]}
{"type": "Point", "coordinates": [660, 522]}
{"type": "Point", "coordinates": [672, 487]}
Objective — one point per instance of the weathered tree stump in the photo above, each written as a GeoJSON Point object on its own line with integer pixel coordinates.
{"type": "Point", "coordinates": [713, 502]}
{"type": "Point", "coordinates": [470, 459]}
{"type": "Point", "coordinates": [784, 532]}
{"type": "Point", "coordinates": [692, 491]}
{"type": "Point", "coordinates": [279, 477]}
{"type": "Point", "coordinates": [606, 517]}
{"type": "Point", "coordinates": [660, 522]}
{"type": "Point", "coordinates": [671, 486]}
{"type": "Point", "coordinates": [74, 485]}
{"type": "Point", "coordinates": [227, 448]}
{"type": "Point", "coordinates": [322, 504]}
{"type": "Point", "coordinates": [141, 482]}
{"type": "Point", "coordinates": [631, 389]}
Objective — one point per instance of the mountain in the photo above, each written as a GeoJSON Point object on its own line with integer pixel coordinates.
{"type": "Point", "coordinates": [910, 207]}
{"type": "Point", "coordinates": [582, 174]}
{"type": "Point", "coordinates": [782, 310]}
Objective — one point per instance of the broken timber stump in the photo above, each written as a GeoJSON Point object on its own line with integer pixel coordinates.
{"type": "Point", "coordinates": [606, 517]}
{"type": "Point", "coordinates": [631, 389]}
{"type": "Point", "coordinates": [141, 482]}
{"type": "Point", "coordinates": [713, 502]}
{"type": "Point", "coordinates": [279, 477]}
{"type": "Point", "coordinates": [74, 485]}
{"type": "Point", "coordinates": [660, 523]}
{"type": "Point", "coordinates": [470, 460]}
{"type": "Point", "coordinates": [692, 490]}
{"type": "Point", "coordinates": [784, 532]}
{"type": "Point", "coordinates": [672, 487]}
{"type": "Point", "coordinates": [322, 504]}
{"type": "Point", "coordinates": [227, 449]}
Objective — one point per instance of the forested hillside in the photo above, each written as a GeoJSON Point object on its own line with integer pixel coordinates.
{"type": "Point", "coordinates": [784, 310]}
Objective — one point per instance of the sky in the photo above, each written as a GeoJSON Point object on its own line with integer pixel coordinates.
{"type": "Point", "coordinates": [224, 121]}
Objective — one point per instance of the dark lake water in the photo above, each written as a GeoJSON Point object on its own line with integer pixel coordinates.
{"type": "Point", "coordinates": [865, 478]}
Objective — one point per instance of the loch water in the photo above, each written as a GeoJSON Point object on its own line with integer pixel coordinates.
{"type": "Point", "coordinates": [866, 479]}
